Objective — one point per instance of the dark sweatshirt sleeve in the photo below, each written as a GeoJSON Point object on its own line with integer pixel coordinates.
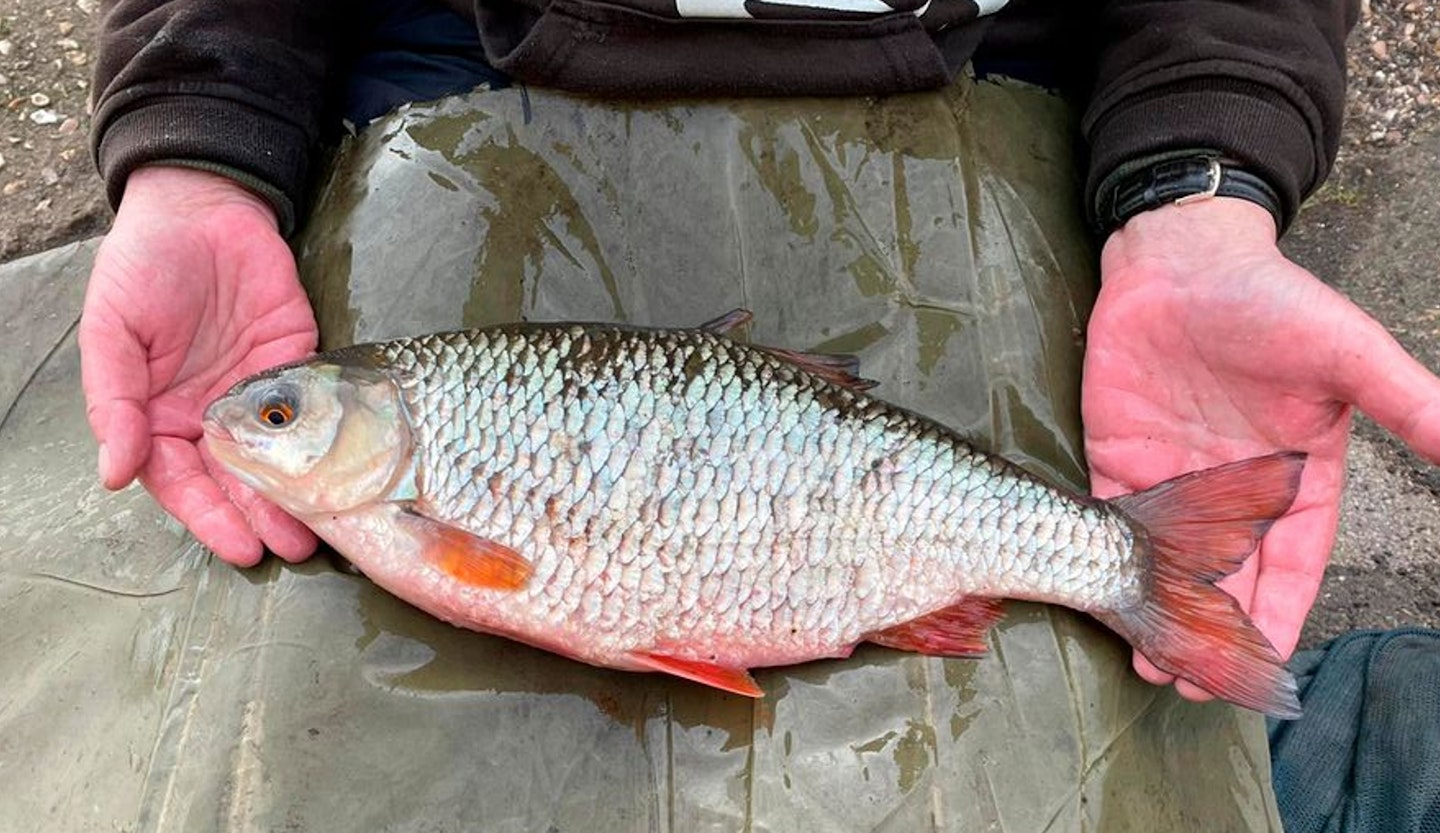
{"type": "Point", "coordinates": [235, 86]}
{"type": "Point", "coordinates": [1261, 82]}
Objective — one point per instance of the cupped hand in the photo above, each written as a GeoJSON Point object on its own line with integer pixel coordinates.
{"type": "Point", "coordinates": [192, 290]}
{"type": "Point", "coordinates": [1207, 345]}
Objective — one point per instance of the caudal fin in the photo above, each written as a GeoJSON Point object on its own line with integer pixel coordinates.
{"type": "Point", "coordinates": [1195, 530]}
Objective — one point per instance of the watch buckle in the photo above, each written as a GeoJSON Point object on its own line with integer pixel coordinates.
{"type": "Point", "coordinates": [1208, 192]}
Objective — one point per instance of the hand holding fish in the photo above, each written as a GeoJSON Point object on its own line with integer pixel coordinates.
{"type": "Point", "coordinates": [1208, 345]}
{"type": "Point", "coordinates": [192, 289]}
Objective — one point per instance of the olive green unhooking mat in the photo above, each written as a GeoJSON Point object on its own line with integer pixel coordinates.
{"type": "Point", "coordinates": [147, 687]}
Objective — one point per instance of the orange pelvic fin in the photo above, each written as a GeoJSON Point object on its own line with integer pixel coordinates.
{"type": "Point", "coordinates": [734, 680]}
{"type": "Point", "coordinates": [727, 322]}
{"type": "Point", "coordinates": [470, 559]}
{"type": "Point", "coordinates": [836, 368]}
{"type": "Point", "coordinates": [1199, 528]}
{"type": "Point", "coordinates": [954, 631]}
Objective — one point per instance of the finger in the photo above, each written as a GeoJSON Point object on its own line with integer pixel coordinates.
{"type": "Point", "coordinates": [115, 376]}
{"type": "Point", "coordinates": [282, 534]}
{"type": "Point", "coordinates": [1377, 375]}
{"type": "Point", "coordinates": [179, 481]}
{"type": "Point", "coordinates": [1192, 692]}
{"type": "Point", "coordinates": [1241, 586]}
{"type": "Point", "coordinates": [1295, 553]}
{"type": "Point", "coordinates": [1149, 672]}
{"type": "Point", "coordinates": [1295, 550]}
{"type": "Point", "coordinates": [1278, 585]}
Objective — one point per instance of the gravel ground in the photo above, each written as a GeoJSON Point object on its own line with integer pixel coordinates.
{"type": "Point", "coordinates": [1364, 233]}
{"type": "Point", "coordinates": [1394, 58]}
{"type": "Point", "coordinates": [49, 192]}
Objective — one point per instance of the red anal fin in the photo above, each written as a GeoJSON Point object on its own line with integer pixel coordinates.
{"type": "Point", "coordinates": [954, 631]}
{"type": "Point", "coordinates": [470, 559]}
{"type": "Point", "coordinates": [836, 368]}
{"type": "Point", "coordinates": [727, 322]}
{"type": "Point", "coordinates": [1198, 528]}
{"type": "Point", "coordinates": [733, 680]}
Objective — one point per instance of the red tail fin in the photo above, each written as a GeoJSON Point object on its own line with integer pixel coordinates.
{"type": "Point", "coordinates": [1196, 529]}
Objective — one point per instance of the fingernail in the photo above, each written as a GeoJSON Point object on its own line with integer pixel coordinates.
{"type": "Point", "coordinates": [104, 464]}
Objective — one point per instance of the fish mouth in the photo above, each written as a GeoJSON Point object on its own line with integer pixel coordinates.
{"type": "Point", "coordinates": [215, 430]}
{"type": "Point", "coordinates": [213, 424]}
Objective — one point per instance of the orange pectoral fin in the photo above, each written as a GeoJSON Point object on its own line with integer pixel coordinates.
{"type": "Point", "coordinates": [734, 680]}
{"type": "Point", "coordinates": [470, 559]}
{"type": "Point", "coordinates": [954, 631]}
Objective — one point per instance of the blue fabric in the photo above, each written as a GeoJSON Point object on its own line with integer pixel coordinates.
{"type": "Point", "coordinates": [1365, 757]}
{"type": "Point", "coordinates": [417, 51]}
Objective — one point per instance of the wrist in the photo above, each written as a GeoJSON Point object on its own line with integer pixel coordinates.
{"type": "Point", "coordinates": [180, 189]}
{"type": "Point", "coordinates": [1191, 238]}
{"type": "Point", "coordinates": [1178, 177]}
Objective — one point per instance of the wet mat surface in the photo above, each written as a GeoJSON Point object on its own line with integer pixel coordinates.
{"type": "Point", "coordinates": [148, 687]}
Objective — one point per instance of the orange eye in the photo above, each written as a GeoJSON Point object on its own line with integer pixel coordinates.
{"type": "Point", "coordinates": [276, 414]}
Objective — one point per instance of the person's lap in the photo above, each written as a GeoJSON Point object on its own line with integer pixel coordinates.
{"type": "Point", "coordinates": [937, 235]}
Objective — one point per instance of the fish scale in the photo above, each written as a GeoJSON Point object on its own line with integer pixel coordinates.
{"type": "Point", "coordinates": [771, 453]}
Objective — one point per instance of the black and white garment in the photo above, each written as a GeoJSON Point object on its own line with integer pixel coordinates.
{"type": "Point", "coordinates": [733, 47]}
{"type": "Point", "coordinates": [934, 13]}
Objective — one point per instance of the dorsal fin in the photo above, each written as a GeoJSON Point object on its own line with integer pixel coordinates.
{"type": "Point", "coordinates": [727, 322]}
{"type": "Point", "coordinates": [840, 369]}
{"type": "Point", "coordinates": [836, 368]}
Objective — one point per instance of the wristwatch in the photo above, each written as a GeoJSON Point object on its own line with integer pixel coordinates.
{"type": "Point", "coordinates": [1178, 180]}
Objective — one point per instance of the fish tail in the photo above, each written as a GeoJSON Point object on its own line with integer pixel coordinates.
{"type": "Point", "coordinates": [1192, 531]}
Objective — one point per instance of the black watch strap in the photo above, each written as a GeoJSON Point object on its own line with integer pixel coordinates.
{"type": "Point", "coordinates": [1179, 181]}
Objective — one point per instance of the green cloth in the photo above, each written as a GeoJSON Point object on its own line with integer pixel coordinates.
{"type": "Point", "coordinates": [1365, 758]}
{"type": "Point", "coordinates": [150, 688]}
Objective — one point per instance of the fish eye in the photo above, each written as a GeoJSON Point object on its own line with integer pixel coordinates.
{"type": "Point", "coordinates": [276, 410]}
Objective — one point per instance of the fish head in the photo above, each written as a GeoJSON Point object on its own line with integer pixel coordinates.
{"type": "Point", "coordinates": [313, 437]}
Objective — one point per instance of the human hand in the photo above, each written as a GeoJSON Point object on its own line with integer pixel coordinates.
{"type": "Point", "coordinates": [1207, 345]}
{"type": "Point", "coordinates": [192, 290]}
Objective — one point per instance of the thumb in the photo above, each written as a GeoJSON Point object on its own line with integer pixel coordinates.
{"type": "Point", "coordinates": [115, 376]}
{"type": "Point", "coordinates": [1377, 375]}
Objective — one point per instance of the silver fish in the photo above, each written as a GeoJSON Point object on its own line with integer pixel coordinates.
{"type": "Point", "coordinates": [676, 501]}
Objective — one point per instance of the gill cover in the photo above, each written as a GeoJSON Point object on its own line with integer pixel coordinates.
{"type": "Point", "coordinates": [320, 436]}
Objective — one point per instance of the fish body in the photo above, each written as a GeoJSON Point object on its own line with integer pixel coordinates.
{"type": "Point", "coordinates": [678, 501]}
